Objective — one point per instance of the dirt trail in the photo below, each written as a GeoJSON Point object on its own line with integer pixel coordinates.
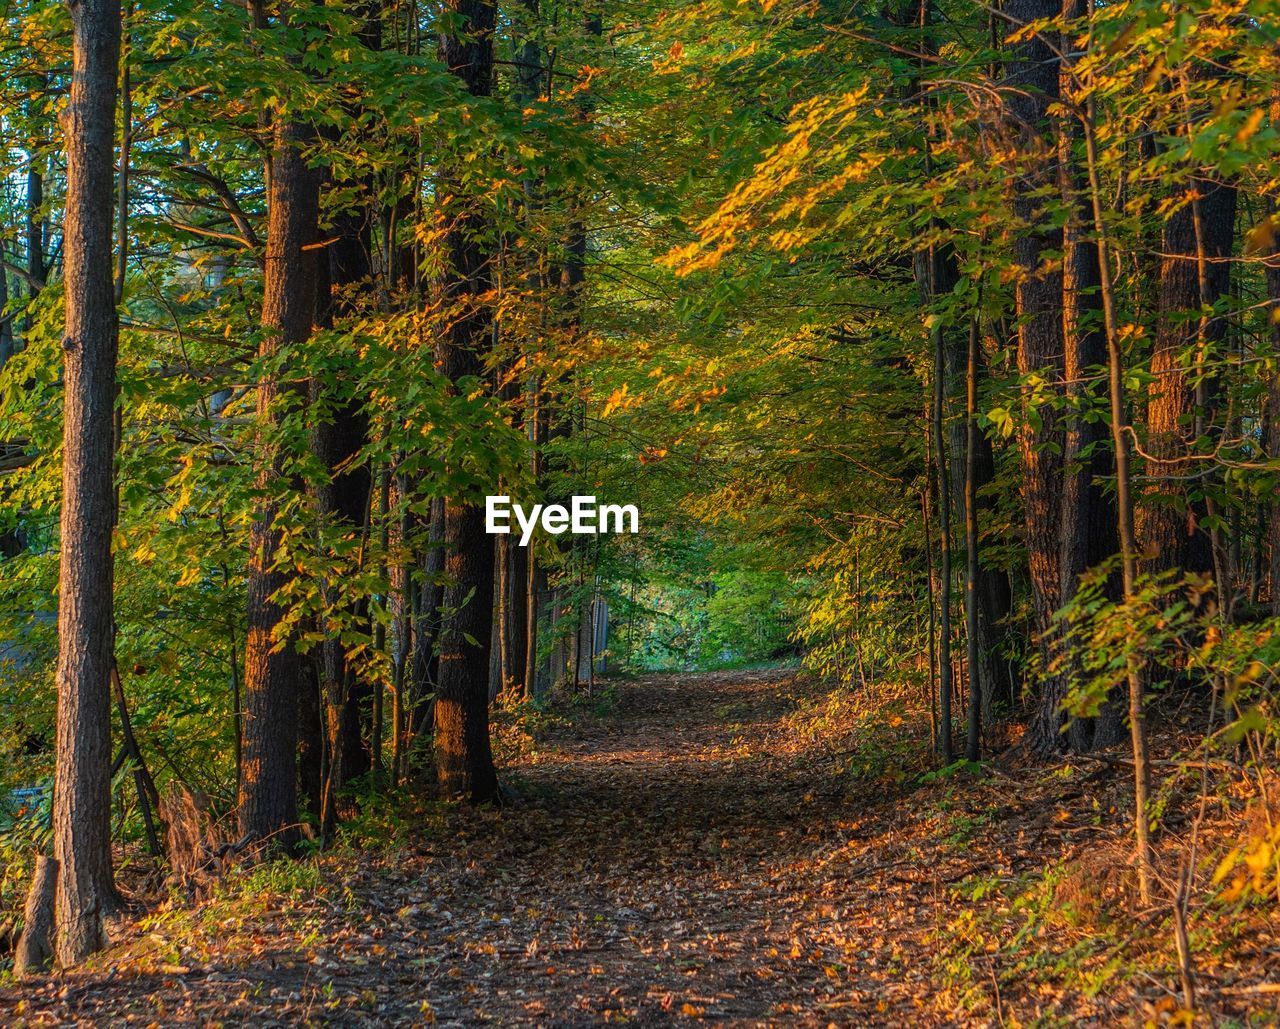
{"type": "Point", "coordinates": [692, 853]}
{"type": "Point", "coordinates": [664, 861]}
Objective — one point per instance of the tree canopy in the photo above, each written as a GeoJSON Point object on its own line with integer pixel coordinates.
{"type": "Point", "coordinates": [936, 344]}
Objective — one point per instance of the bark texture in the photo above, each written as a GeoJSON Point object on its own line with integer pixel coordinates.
{"type": "Point", "coordinates": [268, 796]}
{"type": "Point", "coordinates": [82, 782]}
{"type": "Point", "coordinates": [338, 434]}
{"type": "Point", "coordinates": [1170, 518]}
{"type": "Point", "coordinates": [1032, 71]}
{"type": "Point", "coordinates": [35, 947]}
{"type": "Point", "coordinates": [1088, 513]}
{"type": "Point", "coordinates": [464, 760]}
{"type": "Point", "coordinates": [998, 683]}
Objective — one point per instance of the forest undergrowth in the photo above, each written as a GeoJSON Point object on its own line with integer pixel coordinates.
{"type": "Point", "coordinates": [748, 846]}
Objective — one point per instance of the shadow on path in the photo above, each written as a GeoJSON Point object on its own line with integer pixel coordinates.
{"type": "Point", "coordinates": [671, 859]}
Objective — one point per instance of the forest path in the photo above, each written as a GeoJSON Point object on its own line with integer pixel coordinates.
{"type": "Point", "coordinates": [689, 852]}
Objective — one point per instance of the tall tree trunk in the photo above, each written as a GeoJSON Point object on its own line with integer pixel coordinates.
{"type": "Point", "coordinates": [522, 599]}
{"type": "Point", "coordinates": [1273, 404]}
{"type": "Point", "coordinates": [1194, 276]}
{"type": "Point", "coordinates": [1088, 532]}
{"type": "Point", "coordinates": [35, 232]}
{"type": "Point", "coordinates": [512, 571]}
{"type": "Point", "coordinates": [972, 614]}
{"type": "Point", "coordinates": [1169, 525]}
{"type": "Point", "coordinates": [941, 461]}
{"type": "Point", "coordinates": [337, 436]}
{"type": "Point", "coordinates": [1124, 510]}
{"type": "Point", "coordinates": [497, 631]}
{"type": "Point", "coordinates": [312, 765]}
{"type": "Point", "coordinates": [537, 614]}
{"type": "Point", "coordinates": [6, 323]}
{"type": "Point", "coordinates": [518, 619]}
{"type": "Point", "coordinates": [1089, 516]}
{"type": "Point", "coordinates": [268, 795]}
{"type": "Point", "coordinates": [10, 539]}
{"type": "Point", "coordinates": [992, 676]}
{"type": "Point", "coordinates": [426, 626]}
{"type": "Point", "coordinates": [463, 756]}
{"type": "Point", "coordinates": [995, 671]}
{"type": "Point", "coordinates": [82, 781]}
{"type": "Point", "coordinates": [402, 606]}
{"type": "Point", "coordinates": [1031, 72]}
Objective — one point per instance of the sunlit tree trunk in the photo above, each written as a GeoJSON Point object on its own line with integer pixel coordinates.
{"type": "Point", "coordinates": [463, 757]}
{"type": "Point", "coordinates": [1088, 514]}
{"type": "Point", "coordinates": [82, 781]}
{"type": "Point", "coordinates": [1170, 525]}
{"type": "Point", "coordinates": [268, 797]}
{"type": "Point", "coordinates": [1125, 510]}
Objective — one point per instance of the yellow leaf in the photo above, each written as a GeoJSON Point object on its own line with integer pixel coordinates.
{"type": "Point", "coordinates": [616, 400]}
{"type": "Point", "coordinates": [1261, 239]}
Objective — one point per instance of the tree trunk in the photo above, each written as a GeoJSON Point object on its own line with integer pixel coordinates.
{"type": "Point", "coordinates": [35, 947]}
{"type": "Point", "coordinates": [463, 757]}
{"type": "Point", "coordinates": [1088, 509]}
{"type": "Point", "coordinates": [518, 619]}
{"type": "Point", "coordinates": [312, 766]}
{"type": "Point", "coordinates": [426, 627]}
{"type": "Point", "coordinates": [1169, 525]}
{"type": "Point", "coordinates": [530, 84]}
{"type": "Point", "coordinates": [35, 227]}
{"type": "Point", "coordinates": [537, 614]}
{"type": "Point", "coordinates": [1124, 511]}
{"type": "Point", "coordinates": [1088, 534]}
{"type": "Point", "coordinates": [1031, 72]}
{"type": "Point", "coordinates": [972, 616]}
{"type": "Point", "coordinates": [338, 434]}
{"type": "Point", "coordinates": [402, 607]}
{"type": "Point", "coordinates": [10, 539]}
{"type": "Point", "coordinates": [268, 794]}
{"type": "Point", "coordinates": [995, 672]}
{"type": "Point", "coordinates": [6, 323]}
{"type": "Point", "coordinates": [1273, 413]}
{"type": "Point", "coordinates": [82, 783]}
{"type": "Point", "coordinates": [941, 463]}
{"type": "Point", "coordinates": [497, 630]}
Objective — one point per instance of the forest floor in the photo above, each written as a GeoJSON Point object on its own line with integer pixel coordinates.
{"type": "Point", "coordinates": [746, 847]}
